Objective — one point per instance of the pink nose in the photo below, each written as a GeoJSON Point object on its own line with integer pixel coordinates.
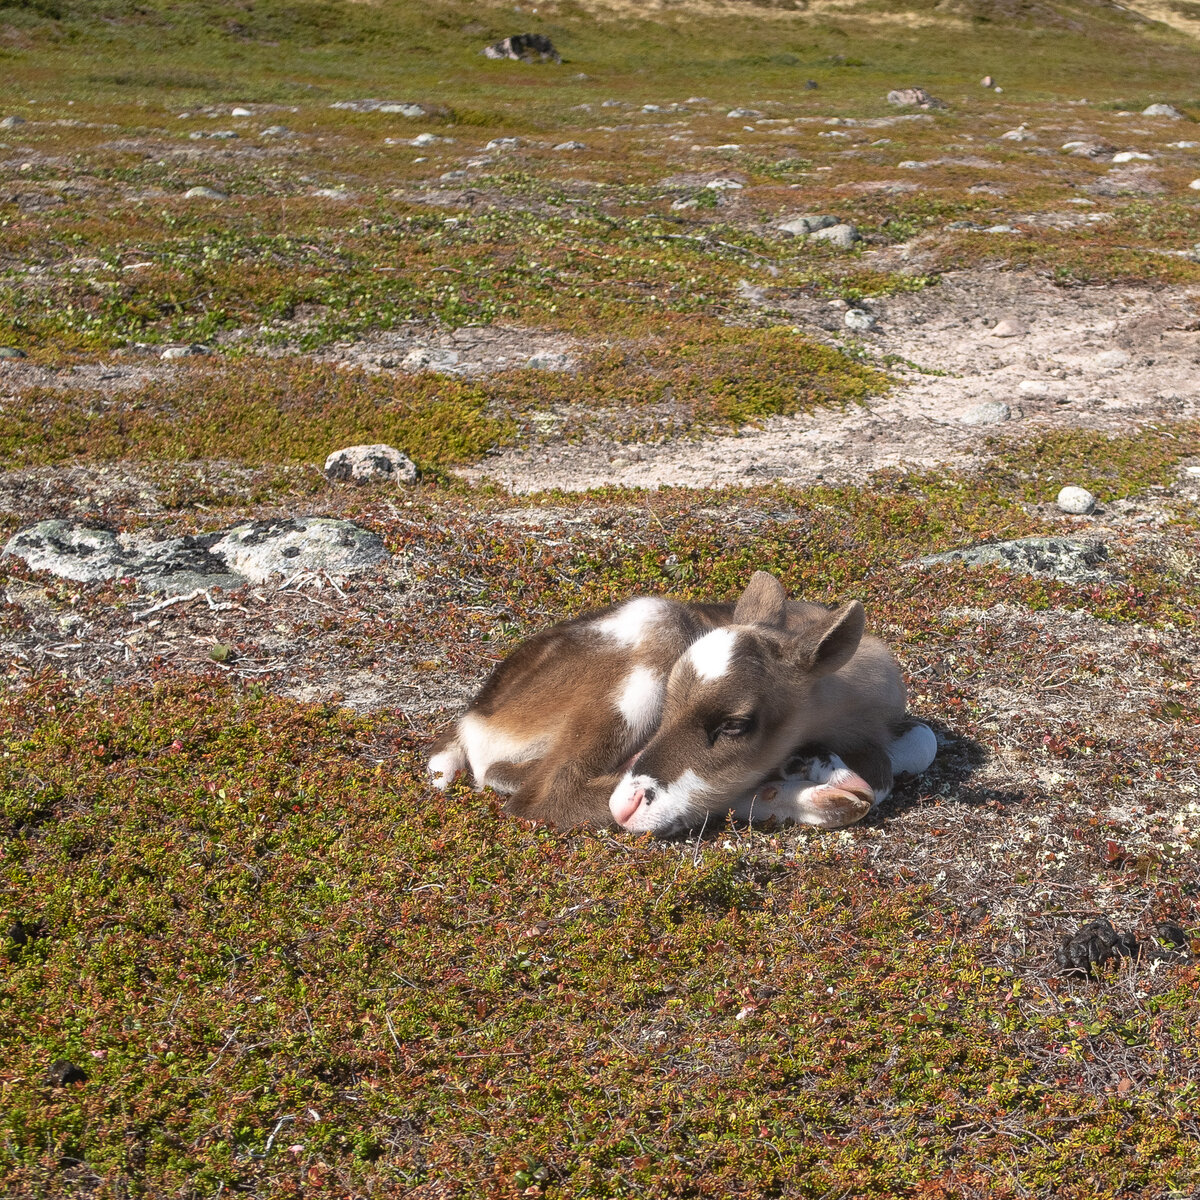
{"type": "Point", "coordinates": [623, 809]}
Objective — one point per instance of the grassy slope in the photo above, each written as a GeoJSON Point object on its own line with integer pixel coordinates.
{"type": "Point", "coordinates": [287, 969]}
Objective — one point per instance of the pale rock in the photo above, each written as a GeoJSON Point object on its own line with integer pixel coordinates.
{"type": "Point", "coordinates": [570, 146]}
{"type": "Point", "coordinates": [11, 122]}
{"type": "Point", "coordinates": [241, 112]}
{"type": "Point", "coordinates": [738, 114]}
{"type": "Point", "coordinates": [842, 236]}
{"type": "Point", "coordinates": [859, 320]}
{"type": "Point", "coordinates": [1076, 500]}
{"type": "Point", "coordinates": [193, 351]}
{"type": "Point", "coordinates": [992, 412]}
{"type": "Point", "coordinates": [1131, 156]}
{"type": "Point", "coordinates": [724, 185]}
{"type": "Point", "coordinates": [1007, 328]}
{"type": "Point", "coordinates": [370, 464]}
{"type": "Point", "coordinates": [204, 193]}
{"type": "Point", "coordinates": [1163, 110]}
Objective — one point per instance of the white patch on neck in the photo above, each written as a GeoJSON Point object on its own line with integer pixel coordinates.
{"type": "Point", "coordinates": [674, 808]}
{"type": "Point", "coordinates": [711, 654]}
{"type": "Point", "coordinates": [640, 701]}
{"type": "Point", "coordinates": [629, 624]}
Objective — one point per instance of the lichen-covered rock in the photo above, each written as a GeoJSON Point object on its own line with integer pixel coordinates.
{"type": "Point", "coordinates": [370, 464]}
{"type": "Point", "coordinates": [914, 97]}
{"type": "Point", "coordinates": [804, 225]}
{"type": "Point", "coordinates": [228, 559]}
{"type": "Point", "coordinates": [842, 236]}
{"type": "Point", "coordinates": [1059, 558]}
{"type": "Point", "coordinates": [260, 549]}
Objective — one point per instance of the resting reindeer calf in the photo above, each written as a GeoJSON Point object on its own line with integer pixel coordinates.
{"type": "Point", "coordinates": [660, 716]}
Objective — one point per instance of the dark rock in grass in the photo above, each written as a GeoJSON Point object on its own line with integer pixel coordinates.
{"type": "Point", "coordinates": [63, 1072]}
{"type": "Point", "coordinates": [248, 553]}
{"type": "Point", "coordinates": [524, 47]}
{"type": "Point", "coordinates": [370, 464]}
{"type": "Point", "coordinates": [1057, 558]}
{"type": "Point", "coordinates": [914, 97]}
{"type": "Point", "coordinates": [1093, 945]}
{"type": "Point", "coordinates": [1171, 941]}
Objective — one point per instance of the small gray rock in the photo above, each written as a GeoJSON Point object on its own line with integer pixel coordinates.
{"type": "Point", "coordinates": [204, 193]}
{"type": "Point", "coordinates": [11, 352]}
{"type": "Point", "coordinates": [431, 358]}
{"type": "Point", "coordinates": [809, 223]}
{"type": "Point", "coordinates": [842, 236]}
{"type": "Point", "coordinates": [71, 551]}
{"type": "Point", "coordinates": [1006, 328]}
{"type": "Point", "coordinates": [1163, 110]}
{"type": "Point", "coordinates": [859, 320]}
{"type": "Point", "coordinates": [1058, 558]}
{"type": "Point", "coordinates": [370, 464]}
{"type": "Point", "coordinates": [1076, 500]}
{"type": "Point", "coordinates": [742, 114]}
{"type": "Point", "coordinates": [12, 122]}
{"type": "Point", "coordinates": [549, 361]}
{"type": "Point", "coordinates": [193, 351]}
{"type": "Point", "coordinates": [570, 146]}
{"type": "Point", "coordinates": [274, 131]}
{"type": "Point", "coordinates": [992, 412]}
{"type": "Point", "coordinates": [241, 112]}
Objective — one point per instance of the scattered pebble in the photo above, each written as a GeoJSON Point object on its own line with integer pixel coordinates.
{"type": "Point", "coordinates": [859, 320]}
{"type": "Point", "coordinates": [504, 143]}
{"type": "Point", "coordinates": [241, 112]}
{"type": "Point", "coordinates": [992, 412]}
{"type": "Point", "coordinates": [570, 146]}
{"type": "Point", "coordinates": [738, 114]}
{"type": "Point", "coordinates": [11, 352]}
{"type": "Point", "coordinates": [204, 193]}
{"type": "Point", "coordinates": [1020, 134]}
{"type": "Point", "coordinates": [987, 81]}
{"type": "Point", "coordinates": [1195, 185]}
{"type": "Point", "coordinates": [1076, 500]}
{"type": "Point", "coordinates": [1131, 156]}
{"type": "Point", "coordinates": [842, 236]}
{"type": "Point", "coordinates": [193, 351]}
{"type": "Point", "coordinates": [1007, 328]}
{"type": "Point", "coordinates": [272, 131]}
{"type": "Point", "coordinates": [801, 226]}
{"type": "Point", "coordinates": [1163, 110]}
{"type": "Point", "coordinates": [370, 464]}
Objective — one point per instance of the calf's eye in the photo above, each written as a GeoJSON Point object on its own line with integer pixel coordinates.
{"type": "Point", "coordinates": [734, 727]}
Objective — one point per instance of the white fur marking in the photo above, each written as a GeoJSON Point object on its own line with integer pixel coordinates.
{"type": "Point", "coordinates": [485, 744]}
{"type": "Point", "coordinates": [711, 654]}
{"type": "Point", "coordinates": [640, 701]}
{"type": "Point", "coordinates": [629, 623]}
{"type": "Point", "coordinates": [444, 766]}
{"type": "Point", "coordinates": [913, 751]}
{"type": "Point", "coordinates": [672, 810]}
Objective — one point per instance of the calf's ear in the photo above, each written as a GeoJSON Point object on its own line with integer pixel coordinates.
{"type": "Point", "coordinates": [836, 646]}
{"type": "Point", "coordinates": [764, 602]}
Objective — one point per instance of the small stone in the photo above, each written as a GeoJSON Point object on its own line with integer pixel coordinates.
{"type": "Point", "coordinates": [1076, 500]}
{"type": "Point", "coordinates": [740, 114]}
{"type": "Point", "coordinates": [1195, 185]}
{"type": "Point", "coordinates": [842, 236]}
{"type": "Point", "coordinates": [1036, 389]}
{"type": "Point", "coordinates": [1184, 145]}
{"type": "Point", "coordinates": [1006, 328]}
{"type": "Point", "coordinates": [11, 352]}
{"type": "Point", "coordinates": [63, 1072]}
{"type": "Point", "coordinates": [224, 134]}
{"type": "Point", "coordinates": [504, 143]}
{"type": "Point", "coordinates": [987, 81]}
{"type": "Point", "coordinates": [1163, 110]}
{"type": "Point", "coordinates": [273, 131]}
{"type": "Point", "coordinates": [914, 97]}
{"type": "Point", "coordinates": [192, 351]}
{"type": "Point", "coordinates": [241, 112]}
{"type": "Point", "coordinates": [991, 412]}
{"type": "Point", "coordinates": [333, 193]}
{"type": "Point", "coordinates": [11, 122]}
{"type": "Point", "coordinates": [1131, 156]}
{"type": "Point", "coordinates": [204, 193]}
{"type": "Point", "coordinates": [412, 111]}
{"type": "Point", "coordinates": [570, 146]}
{"type": "Point", "coordinates": [680, 205]}
{"type": "Point", "coordinates": [724, 185]}
{"type": "Point", "coordinates": [429, 358]}
{"type": "Point", "coordinates": [859, 320]}
{"type": "Point", "coordinates": [1020, 134]}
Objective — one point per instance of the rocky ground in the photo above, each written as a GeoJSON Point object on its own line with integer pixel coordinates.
{"type": "Point", "coordinates": [628, 331]}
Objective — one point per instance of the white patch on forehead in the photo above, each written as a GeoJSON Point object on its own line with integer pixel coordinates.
{"type": "Point", "coordinates": [630, 623]}
{"type": "Point", "coordinates": [711, 654]}
{"type": "Point", "coordinates": [640, 700]}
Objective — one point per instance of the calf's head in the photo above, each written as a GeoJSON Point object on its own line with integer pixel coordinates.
{"type": "Point", "coordinates": [737, 701]}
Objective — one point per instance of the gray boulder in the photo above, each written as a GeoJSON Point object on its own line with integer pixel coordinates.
{"type": "Point", "coordinates": [802, 226]}
{"type": "Point", "coordinates": [260, 549]}
{"type": "Point", "coordinates": [842, 236]}
{"type": "Point", "coordinates": [524, 47]}
{"type": "Point", "coordinates": [1163, 110]}
{"type": "Point", "coordinates": [370, 464]}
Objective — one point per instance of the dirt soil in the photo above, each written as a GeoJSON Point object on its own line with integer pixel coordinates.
{"type": "Point", "coordinates": [1104, 358]}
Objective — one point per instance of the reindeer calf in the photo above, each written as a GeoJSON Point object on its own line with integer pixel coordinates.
{"type": "Point", "coordinates": [661, 716]}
